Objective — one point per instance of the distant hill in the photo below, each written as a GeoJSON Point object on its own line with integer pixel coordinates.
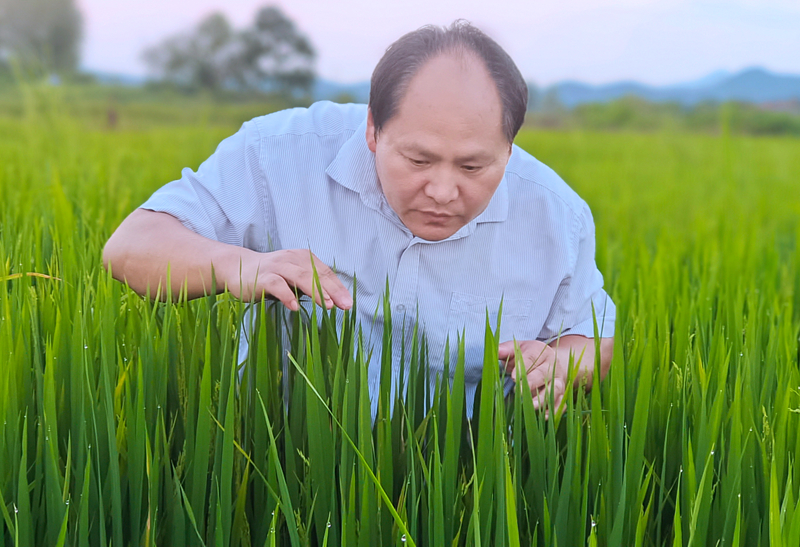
{"type": "Point", "coordinates": [113, 78]}
{"type": "Point", "coordinates": [330, 90]}
{"type": "Point", "coordinates": [753, 85]}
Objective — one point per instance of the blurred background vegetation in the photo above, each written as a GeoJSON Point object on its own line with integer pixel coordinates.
{"type": "Point", "coordinates": [215, 73]}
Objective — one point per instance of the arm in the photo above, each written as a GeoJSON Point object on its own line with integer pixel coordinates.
{"type": "Point", "coordinates": [148, 244]}
{"type": "Point", "coordinates": [580, 305]}
{"type": "Point", "coordinates": [223, 211]}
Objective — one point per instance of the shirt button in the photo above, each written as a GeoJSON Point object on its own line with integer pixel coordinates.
{"type": "Point", "coordinates": [400, 307]}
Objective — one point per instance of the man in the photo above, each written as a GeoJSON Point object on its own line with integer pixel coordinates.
{"type": "Point", "coordinates": [422, 188]}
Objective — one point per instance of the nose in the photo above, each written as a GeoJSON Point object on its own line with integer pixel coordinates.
{"type": "Point", "coordinates": [442, 187]}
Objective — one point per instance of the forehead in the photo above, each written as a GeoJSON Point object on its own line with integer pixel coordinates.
{"type": "Point", "coordinates": [451, 97]}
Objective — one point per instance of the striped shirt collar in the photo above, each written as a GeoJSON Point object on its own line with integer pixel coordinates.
{"type": "Point", "coordinates": [354, 168]}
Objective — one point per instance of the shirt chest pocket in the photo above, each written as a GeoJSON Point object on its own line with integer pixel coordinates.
{"type": "Point", "coordinates": [467, 319]}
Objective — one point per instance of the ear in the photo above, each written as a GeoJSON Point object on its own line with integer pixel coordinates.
{"type": "Point", "coordinates": [371, 141]}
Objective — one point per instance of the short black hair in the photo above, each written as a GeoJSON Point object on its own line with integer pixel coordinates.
{"type": "Point", "coordinates": [406, 56]}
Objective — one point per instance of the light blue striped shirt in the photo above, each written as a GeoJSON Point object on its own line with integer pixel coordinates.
{"type": "Point", "coordinates": [305, 179]}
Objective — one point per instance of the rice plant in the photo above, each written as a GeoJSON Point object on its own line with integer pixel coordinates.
{"type": "Point", "coordinates": [130, 422]}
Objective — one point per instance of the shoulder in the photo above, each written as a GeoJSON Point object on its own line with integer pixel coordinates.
{"type": "Point", "coordinates": [541, 201]}
{"type": "Point", "coordinates": [322, 118]}
{"type": "Point", "coordinates": [531, 180]}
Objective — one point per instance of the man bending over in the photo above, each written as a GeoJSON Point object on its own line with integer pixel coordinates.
{"type": "Point", "coordinates": [422, 187]}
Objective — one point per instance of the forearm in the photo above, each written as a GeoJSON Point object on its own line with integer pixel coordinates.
{"type": "Point", "coordinates": [148, 245]}
{"type": "Point", "coordinates": [583, 351]}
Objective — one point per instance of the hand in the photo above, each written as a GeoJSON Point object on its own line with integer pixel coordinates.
{"type": "Point", "coordinates": [277, 274]}
{"type": "Point", "coordinates": [540, 368]}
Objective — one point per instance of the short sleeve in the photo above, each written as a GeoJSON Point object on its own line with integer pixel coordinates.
{"type": "Point", "coordinates": [225, 199]}
{"type": "Point", "coordinates": [581, 288]}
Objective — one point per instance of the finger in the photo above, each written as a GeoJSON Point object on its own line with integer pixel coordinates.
{"type": "Point", "coordinates": [537, 356]}
{"type": "Point", "coordinates": [333, 290]}
{"type": "Point", "coordinates": [333, 287]}
{"type": "Point", "coordinates": [556, 408]}
{"type": "Point", "coordinates": [507, 355]}
{"type": "Point", "coordinates": [539, 377]}
{"type": "Point", "coordinates": [555, 389]}
{"type": "Point", "coordinates": [506, 349]}
{"type": "Point", "coordinates": [277, 287]}
{"type": "Point", "coordinates": [510, 366]}
{"type": "Point", "coordinates": [539, 399]}
{"type": "Point", "coordinates": [540, 403]}
{"type": "Point", "coordinates": [531, 354]}
{"type": "Point", "coordinates": [302, 279]}
{"type": "Point", "coordinates": [514, 371]}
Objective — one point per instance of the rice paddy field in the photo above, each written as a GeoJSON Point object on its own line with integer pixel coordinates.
{"type": "Point", "coordinates": [124, 421]}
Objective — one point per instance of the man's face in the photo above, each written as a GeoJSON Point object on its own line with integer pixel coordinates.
{"type": "Point", "coordinates": [441, 157]}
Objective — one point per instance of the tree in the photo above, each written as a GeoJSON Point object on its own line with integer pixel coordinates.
{"type": "Point", "coordinates": [269, 56]}
{"type": "Point", "coordinates": [202, 58]}
{"type": "Point", "coordinates": [275, 55]}
{"type": "Point", "coordinates": [42, 34]}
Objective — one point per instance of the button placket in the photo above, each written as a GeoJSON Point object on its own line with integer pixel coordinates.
{"type": "Point", "coordinates": [404, 294]}
{"type": "Point", "coordinates": [403, 298]}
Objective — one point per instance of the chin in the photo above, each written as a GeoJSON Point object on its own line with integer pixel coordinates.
{"type": "Point", "coordinates": [432, 234]}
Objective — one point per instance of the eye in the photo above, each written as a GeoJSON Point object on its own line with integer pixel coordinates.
{"type": "Point", "coordinates": [418, 163]}
{"type": "Point", "coordinates": [470, 168]}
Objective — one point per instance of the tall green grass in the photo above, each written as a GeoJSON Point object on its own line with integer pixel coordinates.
{"type": "Point", "coordinates": [124, 422]}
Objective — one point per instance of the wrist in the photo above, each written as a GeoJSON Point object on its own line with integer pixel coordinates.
{"type": "Point", "coordinates": [226, 266]}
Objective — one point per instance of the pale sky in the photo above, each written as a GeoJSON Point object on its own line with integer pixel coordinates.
{"type": "Point", "coordinates": [595, 41]}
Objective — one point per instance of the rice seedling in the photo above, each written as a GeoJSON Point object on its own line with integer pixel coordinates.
{"type": "Point", "coordinates": [130, 422]}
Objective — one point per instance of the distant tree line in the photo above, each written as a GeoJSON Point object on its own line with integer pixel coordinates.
{"type": "Point", "coordinates": [636, 114]}
{"type": "Point", "coordinates": [271, 55]}
{"type": "Point", "coordinates": [40, 35]}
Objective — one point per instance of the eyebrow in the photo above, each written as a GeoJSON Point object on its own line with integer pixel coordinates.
{"type": "Point", "coordinates": [474, 157]}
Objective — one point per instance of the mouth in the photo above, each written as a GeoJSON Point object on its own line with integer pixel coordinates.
{"type": "Point", "coordinates": [437, 216]}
